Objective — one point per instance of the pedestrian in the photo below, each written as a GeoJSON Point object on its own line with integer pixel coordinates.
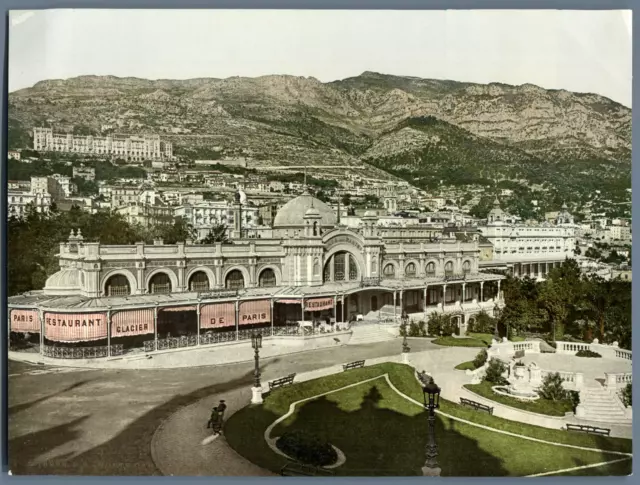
{"type": "Point", "coordinates": [215, 416]}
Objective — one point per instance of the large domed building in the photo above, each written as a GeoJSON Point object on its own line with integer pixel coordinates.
{"type": "Point", "coordinates": [310, 270]}
{"type": "Point", "coordinates": [291, 216]}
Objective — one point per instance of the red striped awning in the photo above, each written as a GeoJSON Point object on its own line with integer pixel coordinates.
{"type": "Point", "coordinates": [256, 311]}
{"type": "Point", "coordinates": [218, 315]}
{"type": "Point", "coordinates": [75, 327]}
{"type": "Point", "coordinates": [317, 304]}
{"type": "Point", "coordinates": [132, 322]}
{"type": "Point", "coordinates": [188, 308]}
{"type": "Point", "coordinates": [25, 321]}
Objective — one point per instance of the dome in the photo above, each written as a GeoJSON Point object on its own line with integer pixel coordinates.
{"type": "Point", "coordinates": [292, 213]}
{"type": "Point", "coordinates": [66, 281]}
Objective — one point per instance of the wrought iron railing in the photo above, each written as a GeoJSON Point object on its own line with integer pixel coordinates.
{"type": "Point", "coordinates": [81, 352]}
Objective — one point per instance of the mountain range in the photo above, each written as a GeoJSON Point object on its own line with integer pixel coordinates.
{"type": "Point", "coordinates": [424, 130]}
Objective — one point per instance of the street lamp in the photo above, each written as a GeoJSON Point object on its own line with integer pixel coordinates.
{"type": "Point", "coordinates": [431, 394]}
{"type": "Point", "coordinates": [256, 343]}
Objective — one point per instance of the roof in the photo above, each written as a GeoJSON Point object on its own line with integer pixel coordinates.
{"type": "Point", "coordinates": [293, 212]}
{"type": "Point", "coordinates": [77, 302]}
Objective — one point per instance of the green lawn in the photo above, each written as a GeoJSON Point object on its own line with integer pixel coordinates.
{"type": "Point", "coordinates": [466, 366]}
{"type": "Point", "coordinates": [459, 342]}
{"type": "Point", "coordinates": [383, 434]}
{"type": "Point", "coordinates": [541, 406]}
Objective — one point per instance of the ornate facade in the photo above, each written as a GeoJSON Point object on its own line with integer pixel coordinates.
{"type": "Point", "coordinates": [312, 265]}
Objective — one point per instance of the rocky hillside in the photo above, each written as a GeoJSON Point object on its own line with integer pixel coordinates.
{"type": "Point", "coordinates": [430, 129]}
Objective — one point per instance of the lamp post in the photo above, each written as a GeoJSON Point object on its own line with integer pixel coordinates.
{"type": "Point", "coordinates": [256, 391]}
{"type": "Point", "coordinates": [431, 394]}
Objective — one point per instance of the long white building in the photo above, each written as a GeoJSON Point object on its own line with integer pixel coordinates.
{"type": "Point", "coordinates": [129, 148]}
{"type": "Point", "coordinates": [529, 250]}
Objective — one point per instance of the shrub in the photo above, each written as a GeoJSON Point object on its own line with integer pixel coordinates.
{"type": "Point", "coordinates": [417, 329]}
{"type": "Point", "coordinates": [480, 359]}
{"type": "Point", "coordinates": [306, 448]}
{"type": "Point", "coordinates": [587, 353]}
{"type": "Point", "coordinates": [626, 395]}
{"type": "Point", "coordinates": [482, 323]}
{"type": "Point", "coordinates": [574, 397]}
{"type": "Point", "coordinates": [494, 372]}
{"type": "Point", "coordinates": [551, 387]}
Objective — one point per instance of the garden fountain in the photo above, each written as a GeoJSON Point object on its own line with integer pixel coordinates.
{"type": "Point", "coordinates": [523, 382]}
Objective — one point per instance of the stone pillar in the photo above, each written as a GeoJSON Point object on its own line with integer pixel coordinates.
{"type": "Point", "coordinates": [425, 302]}
{"type": "Point", "coordinates": [271, 303]}
{"type": "Point", "coordinates": [302, 307]}
{"type": "Point", "coordinates": [394, 305]}
{"type": "Point", "coordinates": [444, 295]}
{"type": "Point", "coordinates": [464, 293]}
{"type": "Point", "coordinates": [579, 380]}
{"type": "Point", "coordinates": [198, 317]}
{"type": "Point", "coordinates": [610, 381]}
{"type": "Point", "coordinates": [109, 332]}
{"type": "Point", "coordinates": [155, 327]}
{"type": "Point", "coordinates": [481, 292]}
{"type": "Point", "coordinates": [237, 323]}
{"type": "Point", "coordinates": [41, 315]}
{"type": "Point", "coordinates": [498, 295]}
{"type": "Point", "coordinates": [401, 305]}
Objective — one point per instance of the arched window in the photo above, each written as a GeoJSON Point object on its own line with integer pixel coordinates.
{"type": "Point", "coordinates": [410, 270]}
{"type": "Point", "coordinates": [160, 283]}
{"type": "Point", "coordinates": [267, 278]}
{"type": "Point", "coordinates": [234, 280]}
{"type": "Point", "coordinates": [199, 281]}
{"type": "Point", "coordinates": [431, 269]}
{"type": "Point", "coordinates": [374, 265]}
{"type": "Point", "coordinates": [448, 268]}
{"type": "Point", "coordinates": [389, 271]}
{"type": "Point", "coordinates": [117, 285]}
{"type": "Point", "coordinates": [316, 267]}
{"type": "Point", "coordinates": [339, 267]}
{"type": "Point", "coordinates": [466, 267]}
{"type": "Point", "coordinates": [353, 268]}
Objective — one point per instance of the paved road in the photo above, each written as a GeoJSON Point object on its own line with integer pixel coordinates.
{"type": "Point", "coordinates": [101, 422]}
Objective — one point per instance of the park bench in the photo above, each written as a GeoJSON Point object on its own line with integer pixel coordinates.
{"type": "Point", "coordinates": [353, 365]}
{"type": "Point", "coordinates": [283, 381]}
{"type": "Point", "coordinates": [476, 405]}
{"type": "Point", "coordinates": [299, 470]}
{"type": "Point", "coordinates": [588, 429]}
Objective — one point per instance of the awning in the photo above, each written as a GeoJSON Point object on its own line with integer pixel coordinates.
{"type": "Point", "coordinates": [188, 308]}
{"type": "Point", "coordinates": [75, 327]}
{"type": "Point", "coordinates": [25, 321]}
{"type": "Point", "coordinates": [132, 322]}
{"type": "Point", "coordinates": [255, 311]}
{"type": "Point", "coordinates": [317, 304]}
{"type": "Point", "coordinates": [218, 315]}
{"type": "Point", "coordinates": [290, 302]}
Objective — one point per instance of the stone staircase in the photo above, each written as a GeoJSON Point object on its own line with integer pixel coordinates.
{"type": "Point", "coordinates": [386, 312]}
{"type": "Point", "coordinates": [366, 333]}
{"type": "Point", "coordinates": [601, 404]}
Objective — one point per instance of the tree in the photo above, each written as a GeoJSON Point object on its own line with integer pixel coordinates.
{"type": "Point", "coordinates": [346, 199]}
{"type": "Point", "coordinates": [551, 387]}
{"type": "Point", "coordinates": [218, 233]}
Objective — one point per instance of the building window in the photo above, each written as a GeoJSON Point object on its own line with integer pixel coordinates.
{"type": "Point", "coordinates": [353, 268]}
{"type": "Point", "coordinates": [431, 269]}
{"type": "Point", "coordinates": [267, 278]}
{"type": "Point", "coordinates": [448, 269]}
{"type": "Point", "coordinates": [466, 267]}
{"type": "Point", "coordinates": [199, 281]}
{"type": "Point", "coordinates": [160, 283]}
{"type": "Point", "coordinates": [327, 272]}
{"type": "Point", "coordinates": [234, 280]}
{"type": "Point", "coordinates": [339, 267]}
{"type": "Point", "coordinates": [389, 271]}
{"type": "Point", "coordinates": [410, 270]}
{"type": "Point", "coordinates": [117, 285]}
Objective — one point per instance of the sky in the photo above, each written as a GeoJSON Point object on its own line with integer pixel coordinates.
{"type": "Point", "coordinates": [582, 51]}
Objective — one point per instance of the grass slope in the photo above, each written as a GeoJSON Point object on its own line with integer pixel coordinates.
{"type": "Point", "coordinates": [384, 434]}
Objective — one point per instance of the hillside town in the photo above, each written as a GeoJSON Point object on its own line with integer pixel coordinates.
{"type": "Point", "coordinates": [202, 193]}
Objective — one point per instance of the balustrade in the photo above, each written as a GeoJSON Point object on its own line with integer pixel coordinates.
{"type": "Point", "coordinates": [81, 352]}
